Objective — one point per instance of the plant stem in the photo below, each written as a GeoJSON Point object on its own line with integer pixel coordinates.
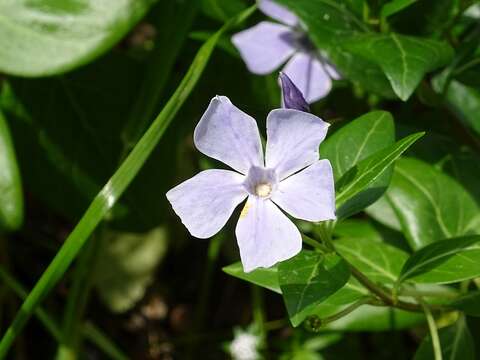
{"type": "Point", "coordinates": [77, 302]}
{"type": "Point", "coordinates": [258, 310]}
{"type": "Point", "coordinates": [437, 350]}
{"type": "Point", "coordinates": [349, 309]}
{"type": "Point", "coordinates": [315, 244]}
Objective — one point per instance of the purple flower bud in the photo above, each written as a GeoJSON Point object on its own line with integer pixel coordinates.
{"type": "Point", "coordinates": [292, 97]}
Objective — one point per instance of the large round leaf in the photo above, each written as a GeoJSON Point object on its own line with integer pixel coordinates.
{"type": "Point", "coordinates": [45, 37]}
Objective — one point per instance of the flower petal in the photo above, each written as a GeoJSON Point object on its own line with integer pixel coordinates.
{"type": "Point", "coordinates": [308, 195]}
{"type": "Point", "coordinates": [265, 235]}
{"type": "Point", "coordinates": [277, 12]}
{"type": "Point", "coordinates": [265, 46]}
{"type": "Point", "coordinates": [309, 74]}
{"type": "Point", "coordinates": [205, 202]}
{"type": "Point", "coordinates": [228, 134]}
{"type": "Point", "coordinates": [293, 138]}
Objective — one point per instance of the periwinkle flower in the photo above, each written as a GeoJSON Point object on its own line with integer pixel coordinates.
{"type": "Point", "coordinates": [268, 45]}
{"type": "Point", "coordinates": [292, 97]}
{"type": "Point", "coordinates": [290, 178]}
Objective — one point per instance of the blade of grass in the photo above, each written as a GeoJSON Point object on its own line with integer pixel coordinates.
{"type": "Point", "coordinates": [114, 188]}
{"type": "Point", "coordinates": [89, 330]}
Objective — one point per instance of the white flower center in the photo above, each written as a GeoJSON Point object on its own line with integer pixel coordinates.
{"type": "Point", "coordinates": [263, 189]}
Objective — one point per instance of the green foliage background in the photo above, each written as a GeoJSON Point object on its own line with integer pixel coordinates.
{"type": "Point", "coordinates": [98, 102]}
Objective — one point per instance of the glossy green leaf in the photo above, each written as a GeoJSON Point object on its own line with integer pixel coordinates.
{"type": "Point", "coordinates": [11, 196]}
{"type": "Point", "coordinates": [365, 173]}
{"type": "Point", "coordinates": [430, 205]}
{"type": "Point", "coordinates": [446, 261]}
{"type": "Point", "coordinates": [469, 303]}
{"type": "Point", "coordinates": [264, 277]}
{"type": "Point", "coordinates": [356, 229]}
{"type": "Point", "coordinates": [354, 142]}
{"type": "Point", "coordinates": [113, 189]}
{"type": "Point", "coordinates": [376, 319]}
{"type": "Point", "coordinates": [394, 6]}
{"type": "Point", "coordinates": [405, 60]}
{"type": "Point", "coordinates": [383, 212]}
{"type": "Point", "coordinates": [464, 101]}
{"type": "Point", "coordinates": [308, 279]}
{"type": "Point", "coordinates": [327, 22]}
{"type": "Point", "coordinates": [456, 342]}
{"type": "Point", "coordinates": [380, 262]}
{"type": "Point", "coordinates": [357, 140]}
{"type": "Point", "coordinates": [126, 265]}
{"type": "Point", "coordinates": [46, 37]}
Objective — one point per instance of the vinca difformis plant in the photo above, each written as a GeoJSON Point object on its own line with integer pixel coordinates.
{"type": "Point", "coordinates": [360, 242]}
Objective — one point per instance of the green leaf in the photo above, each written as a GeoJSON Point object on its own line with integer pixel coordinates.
{"type": "Point", "coordinates": [113, 189]}
{"type": "Point", "coordinates": [456, 342]}
{"type": "Point", "coordinates": [356, 141]}
{"type": "Point", "coordinates": [446, 261]}
{"type": "Point", "coordinates": [46, 37]}
{"type": "Point", "coordinates": [328, 23]}
{"type": "Point", "coordinates": [264, 277]}
{"type": "Point", "coordinates": [429, 204]}
{"type": "Point", "coordinates": [469, 303]}
{"type": "Point", "coordinates": [11, 196]}
{"type": "Point", "coordinates": [405, 60]}
{"type": "Point", "coordinates": [464, 101]}
{"type": "Point", "coordinates": [365, 173]}
{"type": "Point", "coordinates": [308, 279]}
{"type": "Point", "coordinates": [383, 265]}
{"type": "Point", "coordinates": [126, 265]}
{"type": "Point", "coordinates": [356, 229]}
{"type": "Point", "coordinates": [395, 6]}
{"type": "Point", "coordinates": [376, 319]}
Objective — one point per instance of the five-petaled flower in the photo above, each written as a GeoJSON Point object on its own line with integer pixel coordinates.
{"type": "Point", "coordinates": [290, 177]}
{"type": "Point", "coordinates": [268, 45]}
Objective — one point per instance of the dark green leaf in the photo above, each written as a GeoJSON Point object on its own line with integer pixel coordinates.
{"type": "Point", "coordinates": [405, 60]}
{"type": "Point", "coordinates": [469, 304]}
{"type": "Point", "coordinates": [356, 229]}
{"type": "Point", "coordinates": [456, 342]}
{"type": "Point", "coordinates": [430, 205]}
{"type": "Point", "coordinates": [395, 6]}
{"type": "Point", "coordinates": [354, 142]}
{"type": "Point", "coordinates": [264, 277]}
{"type": "Point", "coordinates": [328, 22]}
{"type": "Point", "coordinates": [47, 37]}
{"type": "Point", "coordinates": [464, 101]}
{"type": "Point", "coordinates": [11, 196]}
{"type": "Point", "coordinates": [380, 262]}
{"type": "Point", "coordinates": [308, 279]}
{"type": "Point", "coordinates": [446, 261]}
{"type": "Point", "coordinates": [357, 140]}
{"type": "Point", "coordinates": [365, 173]}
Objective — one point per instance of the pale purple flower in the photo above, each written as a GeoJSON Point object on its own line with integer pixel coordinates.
{"type": "Point", "coordinates": [290, 178]}
{"type": "Point", "coordinates": [268, 45]}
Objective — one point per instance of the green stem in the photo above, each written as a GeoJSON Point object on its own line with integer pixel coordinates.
{"type": "Point", "coordinates": [97, 337]}
{"type": "Point", "coordinates": [315, 244]}
{"type": "Point", "coordinates": [432, 326]}
{"type": "Point", "coordinates": [349, 309]}
{"type": "Point", "coordinates": [77, 302]}
{"type": "Point", "coordinates": [258, 310]}
{"type": "Point", "coordinates": [114, 188]}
